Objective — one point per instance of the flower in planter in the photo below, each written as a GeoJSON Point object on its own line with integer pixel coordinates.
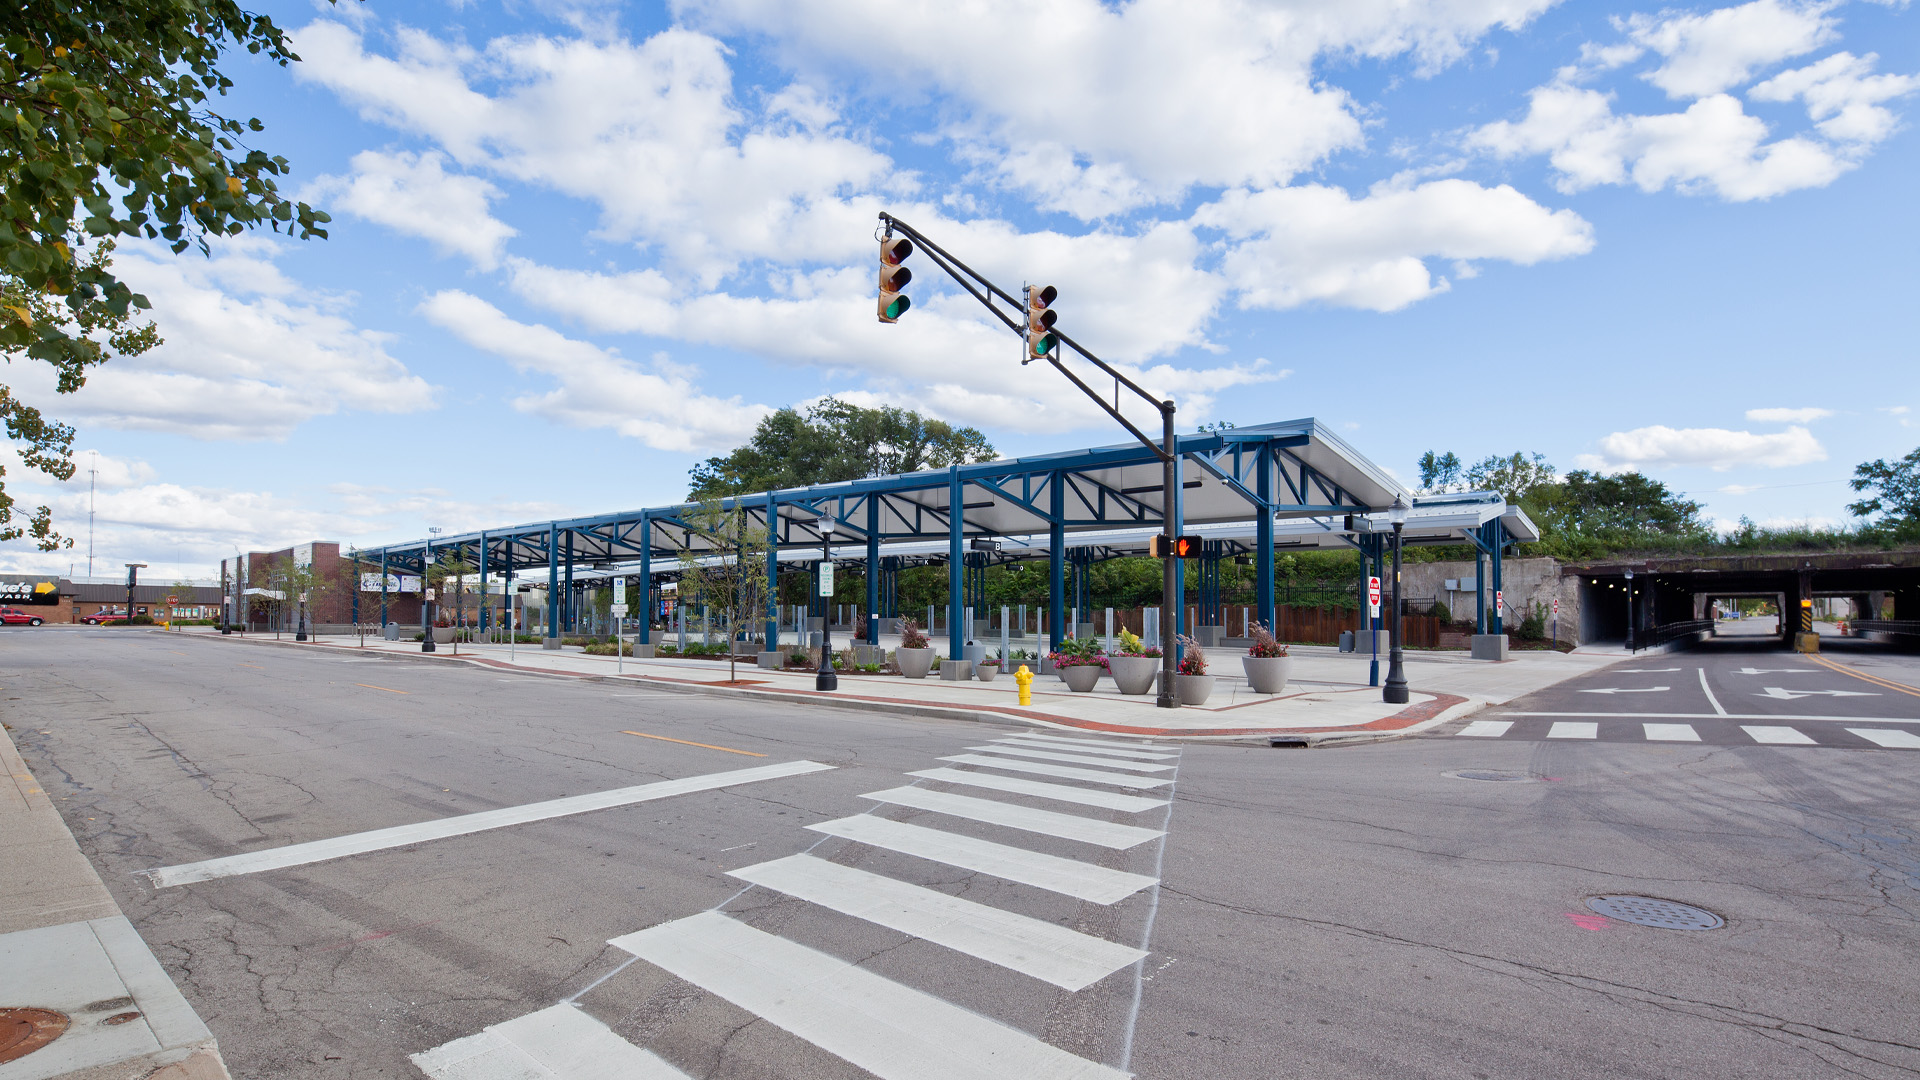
{"type": "Point", "coordinates": [1131, 645]}
{"type": "Point", "coordinates": [911, 636]}
{"type": "Point", "coordinates": [1194, 660]}
{"type": "Point", "coordinates": [1264, 644]}
{"type": "Point", "coordinates": [1075, 652]}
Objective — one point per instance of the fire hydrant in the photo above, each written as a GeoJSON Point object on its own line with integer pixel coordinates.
{"type": "Point", "coordinates": [1025, 679]}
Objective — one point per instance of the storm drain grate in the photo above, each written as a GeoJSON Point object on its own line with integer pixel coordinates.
{"type": "Point", "coordinates": [1648, 911]}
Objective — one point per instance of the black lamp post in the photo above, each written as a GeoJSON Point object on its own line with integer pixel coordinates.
{"type": "Point", "coordinates": [825, 679]}
{"type": "Point", "coordinates": [426, 599]}
{"type": "Point", "coordinates": [1395, 690]}
{"type": "Point", "coordinates": [1630, 619]}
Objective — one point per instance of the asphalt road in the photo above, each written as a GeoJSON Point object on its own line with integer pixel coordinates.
{"type": "Point", "coordinates": [1327, 913]}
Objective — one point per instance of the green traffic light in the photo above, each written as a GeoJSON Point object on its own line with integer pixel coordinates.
{"type": "Point", "coordinates": [1042, 345]}
{"type": "Point", "coordinates": [898, 307]}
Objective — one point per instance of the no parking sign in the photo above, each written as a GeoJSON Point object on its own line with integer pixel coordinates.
{"type": "Point", "coordinates": [1373, 597]}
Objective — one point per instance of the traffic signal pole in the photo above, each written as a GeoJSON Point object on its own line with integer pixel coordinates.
{"type": "Point", "coordinates": [1167, 450]}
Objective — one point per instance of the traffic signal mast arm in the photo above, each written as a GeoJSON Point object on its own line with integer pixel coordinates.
{"type": "Point", "coordinates": [961, 272]}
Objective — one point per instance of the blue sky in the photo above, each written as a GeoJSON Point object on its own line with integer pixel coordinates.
{"type": "Point", "coordinates": [578, 247]}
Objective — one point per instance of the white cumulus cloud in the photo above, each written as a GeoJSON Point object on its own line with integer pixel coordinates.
{"type": "Point", "coordinates": [1843, 96]}
{"type": "Point", "coordinates": [1788, 416]}
{"type": "Point", "coordinates": [1714, 448]}
{"type": "Point", "coordinates": [414, 194]}
{"type": "Point", "coordinates": [1707, 53]}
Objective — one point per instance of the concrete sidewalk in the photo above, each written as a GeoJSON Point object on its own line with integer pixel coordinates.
{"type": "Point", "coordinates": [1326, 701]}
{"type": "Point", "coordinates": [81, 995]}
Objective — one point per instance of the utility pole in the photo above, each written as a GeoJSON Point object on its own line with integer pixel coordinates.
{"type": "Point", "coordinates": [93, 479]}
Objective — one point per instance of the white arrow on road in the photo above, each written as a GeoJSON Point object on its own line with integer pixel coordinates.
{"type": "Point", "coordinates": [1789, 695]}
{"type": "Point", "coordinates": [1773, 671]}
{"type": "Point", "coordinates": [1629, 690]}
{"type": "Point", "coordinates": [1646, 670]}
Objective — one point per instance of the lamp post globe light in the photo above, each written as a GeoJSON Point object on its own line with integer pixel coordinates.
{"type": "Point", "coordinates": [825, 679]}
{"type": "Point", "coordinates": [1395, 690]}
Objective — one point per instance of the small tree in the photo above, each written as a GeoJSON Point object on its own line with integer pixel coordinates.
{"type": "Point", "coordinates": [452, 565]}
{"type": "Point", "coordinates": [728, 575]}
{"type": "Point", "coordinates": [1895, 486]}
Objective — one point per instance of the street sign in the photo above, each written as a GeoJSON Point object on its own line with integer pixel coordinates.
{"type": "Point", "coordinates": [619, 611]}
{"type": "Point", "coordinates": [826, 579]}
{"type": "Point", "coordinates": [173, 600]}
{"type": "Point", "coordinates": [1373, 597]}
{"type": "Point", "coordinates": [1556, 607]}
{"type": "Point", "coordinates": [1499, 601]}
{"type": "Point", "coordinates": [620, 594]}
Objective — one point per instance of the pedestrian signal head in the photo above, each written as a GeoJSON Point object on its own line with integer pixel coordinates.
{"type": "Point", "coordinates": [1178, 547]}
{"type": "Point", "coordinates": [1041, 340]}
{"type": "Point", "coordinates": [894, 277]}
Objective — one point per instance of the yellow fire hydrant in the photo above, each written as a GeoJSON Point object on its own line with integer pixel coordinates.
{"type": "Point", "coordinates": [1025, 679]}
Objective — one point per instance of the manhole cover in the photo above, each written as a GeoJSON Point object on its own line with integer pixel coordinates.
{"type": "Point", "coordinates": [1647, 911]}
{"type": "Point", "coordinates": [1492, 776]}
{"type": "Point", "coordinates": [22, 1031]}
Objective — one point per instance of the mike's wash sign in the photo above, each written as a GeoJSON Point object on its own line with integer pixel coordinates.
{"type": "Point", "coordinates": [16, 589]}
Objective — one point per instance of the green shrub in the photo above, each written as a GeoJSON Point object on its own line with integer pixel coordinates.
{"type": "Point", "coordinates": [1534, 626]}
{"type": "Point", "coordinates": [1441, 611]}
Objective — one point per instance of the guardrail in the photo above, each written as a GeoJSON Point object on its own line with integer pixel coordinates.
{"type": "Point", "coordinates": [1673, 631]}
{"type": "Point", "coordinates": [1902, 627]}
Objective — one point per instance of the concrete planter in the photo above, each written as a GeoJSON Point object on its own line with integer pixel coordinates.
{"type": "Point", "coordinates": [443, 635]}
{"type": "Point", "coordinates": [1134, 675]}
{"type": "Point", "coordinates": [1192, 689]}
{"type": "Point", "coordinates": [1080, 678]}
{"type": "Point", "coordinates": [987, 670]}
{"type": "Point", "coordinates": [1267, 674]}
{"type": "Point", "coordinates": [914, 663]}
{"type": "Point", "coordinates": [955, 671]}
{"type": "Point", "coordinates": [644, 652]}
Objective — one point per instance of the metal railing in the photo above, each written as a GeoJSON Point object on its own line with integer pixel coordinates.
{"type": "Point", "coordinates": [1673, 631]}
{"type": "Point", "coordinates": [1902, 627]}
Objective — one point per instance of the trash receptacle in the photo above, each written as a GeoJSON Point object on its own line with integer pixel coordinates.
{"type": "Point", "coordinates": [1346, 641]}
{"type": "Point", "coordinates": [391, 631]}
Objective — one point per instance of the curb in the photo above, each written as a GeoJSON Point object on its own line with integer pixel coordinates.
{"type": "Point", "coordinates": [1441, 703]}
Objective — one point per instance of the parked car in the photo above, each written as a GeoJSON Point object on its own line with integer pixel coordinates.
{"type": "Point", "coordinates": [15, 617]}
{"type": "Point", "coordinates": [104, 615]}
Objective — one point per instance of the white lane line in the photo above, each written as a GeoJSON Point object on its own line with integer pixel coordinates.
{"type": "Point", "coordinates": [1486, 729]}
{"type": "Point", "coordinates": [1075, 759]}
{"type": "Point", "coordinates": [1064, 772]}
{"type": "Point", "coordinates": [1894, 740]}
{"type": "Point", "coordinates": [561, 1042]}
{"type": "Point", "coordinates": [1111, 800]}
{"type": "Point", "coordinates": [1671, 733]}
{"type": "Point", "coordinates": [1064, 741]}
{"type": "Point", "coordinates": [1025, 818]}
{"type": "Point", "coordinates": [1728, 716]}
{"type": "Point", "coordinates": [1711, 700]}
{"type": "Point", "coordinates": [1068, 877]}
{"type": "Point", "coordinates": [892, 1031]}
{"type": "Point", "coordinates": [1778, 736]}
{"type": "Point", "coordinates": [1066, 958]}
{"type": "Point", "coordinates": [1081, 748]}
{"type": "Point", "coordinates": [253, 862]}
{"type": "Point", "coordinates": [1564, 730]}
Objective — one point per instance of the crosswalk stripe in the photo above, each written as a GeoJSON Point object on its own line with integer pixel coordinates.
{"type": "Point", "coordinates": [1781, 736]}
{"type": "Point", "coordinates": [252, 862]}
{"type": "Point", "coordinates": [1099, 884]}
{"type": "Point", "coordinates": [1486, 729]}
{"type": "Point", "coordinates": [1060, 740]}
{"type": "Point", "coordinates": [1888, 737]}
{"type": "Point", "coordinates": [1087, 748]}
{"type": "Point", "coordinates": [892, 1031]}
{"type": "Point", "coordinates": [1671, 733]}
{"type": "Point", "coordinates": [1026, 818]}
{"type": "Point", "coordinates": [560, 1042]}
{"type": "Point", "coordinates": [1063, 772]}
{"type": "Point", "coordinates": [1066, 958]}
{"type": "Point", "coordinates": [1111, 800]}
{"type": "Point", "coordinates": [1565, 729]}
{"type": "Point", "coordinates": [1076, 759]}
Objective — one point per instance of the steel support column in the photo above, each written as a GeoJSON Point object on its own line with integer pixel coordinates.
{"type": "Point", "coordinates": [773, 575]}
{"type": "Point", "coordinates": [553, 582]}
{"type": "Point", "coordinates": [1056, 561]}
{"type": "Point", "coordinates": [483, 583]}
{"type": "Point", "coordinates": [1263, 539]}
{"type": "Point", "coordinates": [873, 569]}
{"type": "Point", "coordinates": [643, 633]}
{"type": "Point", "coordinates": [1480, 584]}
{"type": "Point", "coordinates": [383, 591]}
{"type": "Point", "coordinates": [1499, 545]}
{"type": "Point", "coordinates": [956, 568]}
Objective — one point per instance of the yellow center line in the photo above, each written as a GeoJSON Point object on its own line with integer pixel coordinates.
{"type": "Point", "coordinates": [243, 663]}
{"type": "Point", "coordinates": [1876, 680]}
{"type": "Point", "coordinates": [703, 746]}
{"type": "Point", "coordinates": [389, 690]}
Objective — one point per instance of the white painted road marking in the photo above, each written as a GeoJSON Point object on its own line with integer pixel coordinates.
{"type": "Point", "coordinates": [1066, 958]}
{"type": "Point", "coordinates": [1645, 670]}
{"type": "Point", "coordinates": [1038, 737]}
{"type": "Point", "coordinates": [1894, 740]}
{"type": "Point", "coordinates": [1564, 730]}
{"type": "Point", "coordinates": [1111, 800]}
{"type": "Point", "coordinates": [1629, 690]}
{"type": "Point", "coordinates": [1729, 716]}
{"type": "Point", "coordinates": [1671, 733]}
{"type": "Point", "coordinates": [253, 862]}
{"type": "Point", "coordinates": [1086, 748]}
{"type": "Point", "coordinates": [1064, 772]}
{"type": "Point", "coordinates": [1073, 759]}
{"type": "Point", "coordinates": [1777, 736]}
{"type": "Point", "coordinates": [1051, 872]}
{"type": "Point", "coordinates": [1708, 690]}
{"type": "Point", "coordinates": [1486, 729]}
{"type": "Point", "coordinates": [561, 1042]}
{"type": "Point", "coordinates": [1025, 818]}
{"type": "Point", "coordinates": [1774, 671]}
{"type": "Point", "coordinates": [1789, 695]}
{"type": "Point", "coordinates": [892, 1031]}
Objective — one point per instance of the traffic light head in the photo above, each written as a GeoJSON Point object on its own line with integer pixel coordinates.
{"type": "Point", "coordinates": [1179, 547]}
{"type": "Point", "coordinates": [894, 277]}
{"type": "Point", "coordinates": [1041, 339]}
